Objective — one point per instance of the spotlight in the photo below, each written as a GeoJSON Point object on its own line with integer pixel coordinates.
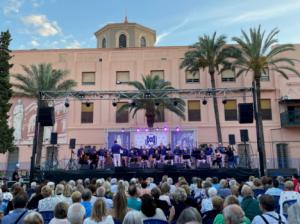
{"type": "Point", "coordinates": [147, 94]}
{"type": "Point", "coordinates": [123, 130]}
{"type": "Point", "coordinates": [146, 129]}
{"type": "Point", "coordinates": [224, 101]}
{"type": "Point", "coordinates": [138, 130]}
{"type": "Point", "coordinates": [204, 102]}
{"type": "Point", "coordinates": [165, 129]}
{"type": "Point", "coordinates": [67, 104]}
{"type": "Point", "coordinates": [88, 104]}
{"type": "Point", "coordinates": [177, 129]}
{"type": "Point", "coordinates": [133, 103]}
{"type": "Point", "coordinates": [114, 103]}
{"type": "Point", "coordinates": [175, 103]}
{"type": "Point", "coordinates": [156, 129]}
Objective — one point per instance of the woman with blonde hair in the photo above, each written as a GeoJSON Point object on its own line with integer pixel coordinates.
{"type": "Point", "coordinates": [33, 218]}
{"type": "Point", "coordinates": [119, 209]}
{"type": "Point", "coordinates": [99, 215]}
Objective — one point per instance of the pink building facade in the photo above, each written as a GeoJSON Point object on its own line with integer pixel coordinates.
{"type": "Point", "coordinates": [106, 68]}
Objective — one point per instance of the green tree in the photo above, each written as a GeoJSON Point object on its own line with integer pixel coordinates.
{"type": "Point", "coordinates": [260, 54]}
{"type": "Point", "coordinates": [6, 133]}
{"type": "Point", "coordinates": [153, 98]}
{"type": "Point", "coordinates": [211, 53]}
{"type": "Point", "coordinates": [41, 77]}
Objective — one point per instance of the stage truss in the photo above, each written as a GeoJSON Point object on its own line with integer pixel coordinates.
{"type": "Point", "coordinates": [146, 94]}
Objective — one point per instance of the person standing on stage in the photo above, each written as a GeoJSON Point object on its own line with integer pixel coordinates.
{"type": "Point", "coordinates": [163, 151]}
{"type": "Point", "coordinates": [177, 153]}
{"type": "Point", "coordinates": [222, 150]}
{"type": "Point", "coordinates": [208, 153]}
{"type": "Point", "coordinates": [15, 175]}
{"type": "Point", "coordinates": [101, 154]}
{"type": "Point", "coordinates": [116, 152]}
{"type": "Point", "coordinates": [151, 156]}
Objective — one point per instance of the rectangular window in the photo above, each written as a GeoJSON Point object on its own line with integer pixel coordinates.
{"type": "Point", "coordinates": [160, 73]}
{"type": "Point", "coordinates": [266, 110]}
{"type": "Point", "coordinates": [122, 77]}
{"type": "Point", "coordinates": [160, 115]}
{"type": "Point", "coordinates": [87, 112]}
{"type": "Point", "coordinates": [228, 75]}
{"type": "Point", "coordinates": [282, 155]}
{"type": "Point", "coordinates": [88, 78]}
{"type": "Point", "coordinates": [194, 110]}
{"type": "Point", "coordinates": [122, 116]}
{"type": "Point", "coordinates": [264, 77]}
{"type": "Point", "coordinates": [192, 77]}
{"type": "Point", "coordinates": [230, 110]}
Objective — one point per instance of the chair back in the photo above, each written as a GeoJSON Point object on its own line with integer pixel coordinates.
{"type": "Point", "coordinates": [286, 205]}
{"type": "Point", "coordinates": [47, 216]}
{"type": "Point", "coordinates": [258, 192]}
{"type": "Point", "coordinates": [117, 221]}
{"type": "Point", "coordinates": [155, 221]}
{"type": "Point", "coordinates": [276, 201]}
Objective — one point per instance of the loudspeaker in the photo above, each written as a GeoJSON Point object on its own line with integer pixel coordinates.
{"type": "Point", "coordinates": [245, 113]}
{"type": "Point", "coordinates": [231, 139]}
{"type": "Point", "coordinates": [46, 116]}
{"type": "Point", "coordinates": [53, 139]}
{"type": "Point", "coordinates": [72, 144]}
{"type": "Point", "coordinates": [244, 135]}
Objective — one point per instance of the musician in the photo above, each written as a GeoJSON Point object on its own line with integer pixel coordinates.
{"type": "Point", "coordinates": [139, 153]}
{"type": "Point", "coordinates": [222, 150]}
{"type": "Point", "coordinates": [124, 155]}
{"type": "Point", "coordinates": [208, 153]}
{"type": "Point", "coordinates": [186, 157]}
{"type": "Point", "coordinates": [157, 157]}
{"type": "Point", "coordinates": [217, 158]}
{"type": "Point", "coordinates": [116, 152]}
{"type": "Point", "coordinates": [177, 154]}
{"type": "Point", "coordinates": [133, 155]}
{"type": "Point", "coordinates": [163, 150]}
{"type": "Point", "coordinates": [169, 158]}
{"type": "Point", "coordinates": [101, 154]}
{"type": "Point", "coordinates": [94, 158]}
{"type": "Point", "coordinates": [145, 159]}
{"type": "Point", "coordinates": [151, 152]}
{"type": "Point", "coordinates": [230, 156]}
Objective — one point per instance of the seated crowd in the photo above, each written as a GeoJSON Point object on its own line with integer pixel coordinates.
{"type": "Point", "coordinates": [210, 201]}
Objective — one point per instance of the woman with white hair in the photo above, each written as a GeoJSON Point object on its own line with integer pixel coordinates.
{"type": "Point", "coordinates": [179, 204]}
{"type": "Point", "coordinates": [33, 218]}
{"type": "Point", "coordinates": [206, 204]}
{"type": "Point", "coordinates": [133, 217]}
{"type": "Point", "coordinates": [76, 213]}
{"type": "Point", "coordinates": [189, 215]}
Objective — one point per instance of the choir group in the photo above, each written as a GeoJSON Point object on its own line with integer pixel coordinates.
{"type": "Point", "coordinates": [153, 156]}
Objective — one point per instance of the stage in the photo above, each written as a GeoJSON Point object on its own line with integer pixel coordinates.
{"type": "Point", "coordinates": [128, 173]}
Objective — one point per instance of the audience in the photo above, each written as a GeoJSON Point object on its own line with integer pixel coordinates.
{"type": "Point", "coordinates": [119, 201]}
{"type": "Point", "coordinates": [60, 214]}
{"type": "Point", "coordinates": [76, 213]}
{"type": "Point", "coordinates": [99, 214]}
{"type": "Point", "coordinates": [149, 209]}
{"type": "Point", "coordinates": [267, 206]}
{"type": "Point", "coordinates": [249, 203]}
{"type": "Point", "coordinates": [18, 214]}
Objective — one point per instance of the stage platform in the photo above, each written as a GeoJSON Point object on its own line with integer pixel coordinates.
{"type": "Point", "coordinates": [128, 173]}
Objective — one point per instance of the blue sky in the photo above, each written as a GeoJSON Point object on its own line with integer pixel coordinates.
{"type": "Point", "coordinates": [47, 24]}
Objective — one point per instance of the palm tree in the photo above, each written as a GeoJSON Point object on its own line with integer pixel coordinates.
{"type": "Point", "coordinates": [41, 77]}
{"type": "Point", "coordinates": [152, 99]}
{"type": "Point", "coordinates": [259, 54]}
{"type": "Point", "coordinates": [211, 53]}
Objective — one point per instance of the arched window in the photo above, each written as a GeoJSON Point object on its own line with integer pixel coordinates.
{"type": "Point", "coordinates": [143, 42]}
{"type": "Point", "coordinates": [103, 43]}
{"type": "Point", "coordinates": [122, 41]}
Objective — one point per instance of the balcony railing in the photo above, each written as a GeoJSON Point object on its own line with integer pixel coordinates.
{"type": "Point", "coordinates": [290, 119]}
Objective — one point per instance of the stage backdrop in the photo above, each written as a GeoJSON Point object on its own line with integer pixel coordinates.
{"type": "Point", "coordinates": [150, 138]}
{"type": "Point", "coordinates": [123, 139]}
{"type": "Point", "coordinates": [183, 139]}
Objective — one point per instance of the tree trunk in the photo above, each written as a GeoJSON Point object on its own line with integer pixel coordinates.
{"type": "Point", "coordinates": [261, 140]}
{"type": "Point", "coordinates": [150, 119]}
{"type": "Point", "coordinates": [216, 108]}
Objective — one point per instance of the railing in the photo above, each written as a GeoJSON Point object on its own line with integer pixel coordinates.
{"type": "Point", "coordinates": [290, 119]}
